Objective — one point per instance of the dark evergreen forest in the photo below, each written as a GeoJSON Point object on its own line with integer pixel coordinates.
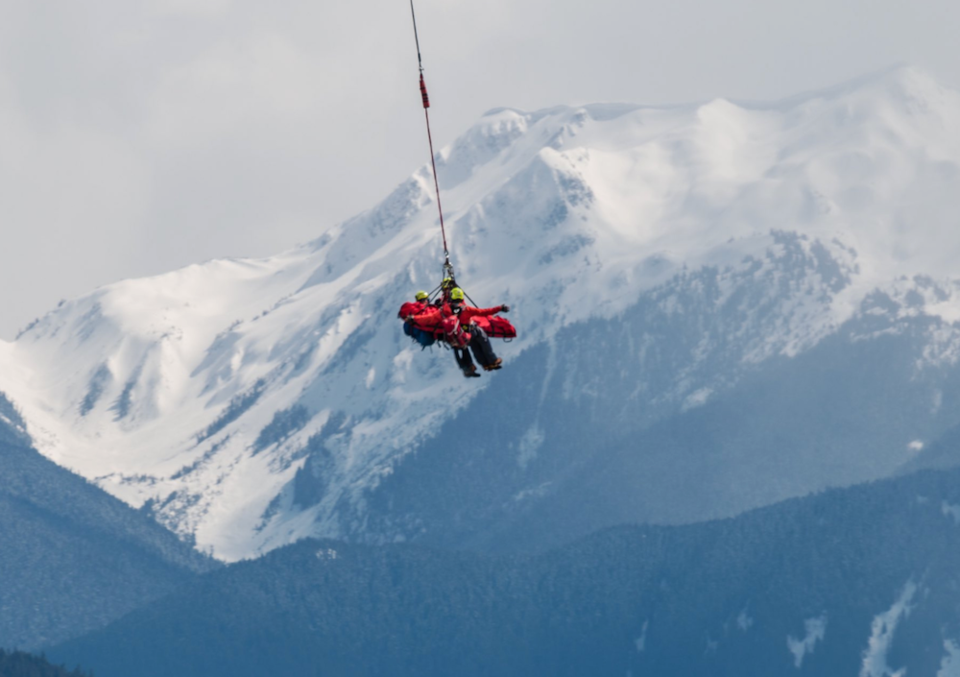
{"type": "Point", "coordinates": [735, 597]}
{"type": "Point", "coordinates": [20, 664]}
{"type": "Point", "coordinates": [72, 557]}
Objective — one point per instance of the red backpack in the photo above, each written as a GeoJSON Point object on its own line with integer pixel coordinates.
{"type": "Point", "coordinates": [497, 327]}
{"type": "Point", "coordinates": [454, 333]}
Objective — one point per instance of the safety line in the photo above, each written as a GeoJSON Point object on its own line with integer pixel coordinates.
{"type": "Point", "coordinates": [433, 163]}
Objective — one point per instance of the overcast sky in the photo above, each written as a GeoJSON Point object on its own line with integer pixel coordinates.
{"type": "Point", "coordinates": [137, 136]}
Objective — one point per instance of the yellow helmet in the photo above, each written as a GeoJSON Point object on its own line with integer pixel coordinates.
{"type": "Point", "coordinates": [447, 283]}
{"type": "Point", "coordinates": [456, 294]}
{"type": "Point", "coordinates": [422, 296]}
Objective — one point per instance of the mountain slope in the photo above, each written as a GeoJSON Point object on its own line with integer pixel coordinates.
{"type": "Point", "coordinates": [846, 410]}
{"type": "Point", "coordinates": [855, 581]}
{"type": "Point", "coordinates": [73, 558]}
{"type": "Point", "coordinates": [657, 260]}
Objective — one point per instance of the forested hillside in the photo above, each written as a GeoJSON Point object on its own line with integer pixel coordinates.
{"type": "Point", "coordinates": [20, 664]}
{"type": "Point", "coordinates": [816, 586]}
{"type": "Point", "coordinates": [73, 558]}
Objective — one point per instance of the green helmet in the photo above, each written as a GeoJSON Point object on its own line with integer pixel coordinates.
{"type": "Point", "coordinates": [456, 294]}
{"type": "Point", "coordinates": [422, 296]}
{"type": "Point", "coordinates": [447, 283]}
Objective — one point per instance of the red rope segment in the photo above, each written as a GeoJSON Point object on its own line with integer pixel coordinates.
{"type": "Point", "coordinates": [423, 92]}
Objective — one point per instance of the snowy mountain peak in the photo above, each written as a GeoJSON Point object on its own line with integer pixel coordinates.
{"type": "Point", "coordinates": [213, 392]}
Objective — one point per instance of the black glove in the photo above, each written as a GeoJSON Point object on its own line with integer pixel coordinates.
{"type": "Point", "coordinates": [504, 308]}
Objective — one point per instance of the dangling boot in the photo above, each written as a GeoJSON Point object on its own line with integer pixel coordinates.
{"type": "Point", "coordinates": [496, 364]}
{"type": "Point", "coordinates": [471, 371]}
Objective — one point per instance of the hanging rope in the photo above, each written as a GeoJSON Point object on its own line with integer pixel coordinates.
{"type": "Point", "coordinates": [447, 267]}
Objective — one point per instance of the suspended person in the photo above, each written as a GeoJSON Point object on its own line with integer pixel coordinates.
{"type": "Point", "coordinates": [424, 334]}
{"type": "Point", "coordinates": [462, 330]}
{"type": "Point", "coordinates": [421, 300]}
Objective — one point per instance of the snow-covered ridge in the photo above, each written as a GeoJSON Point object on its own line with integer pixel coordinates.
{"type": "Point", "coordinates": [203, 390]}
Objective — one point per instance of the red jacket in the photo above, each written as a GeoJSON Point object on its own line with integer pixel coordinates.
{"type": "Point", "coordinates": [467, 313]}
{"type": "Point", "coordinates": [433, 316]}
{"type": "Point", "coordinates": [430, 317]}
{"type": "Point", "coordinates": [412, 308]}
{"type": "Point", "coordinates": [453, 325]}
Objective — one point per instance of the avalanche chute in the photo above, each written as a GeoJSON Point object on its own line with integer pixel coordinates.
{"type": "Point", "coordinates": [442, 315]}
